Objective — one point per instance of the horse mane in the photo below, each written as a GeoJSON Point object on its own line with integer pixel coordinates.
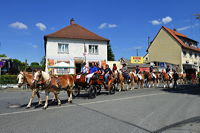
{"type": "Point", "coordinates": [45, 76]}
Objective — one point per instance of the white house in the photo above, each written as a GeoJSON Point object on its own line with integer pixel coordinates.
{"type": "Point", "coordinates": [67, 48]}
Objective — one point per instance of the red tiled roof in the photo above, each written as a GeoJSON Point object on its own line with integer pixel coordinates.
{"type": "Point", "coordinates": [175, 34]}
{"type": "Point", "coordinates": [75, 31]}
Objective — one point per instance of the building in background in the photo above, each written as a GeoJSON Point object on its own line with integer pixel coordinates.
{"type": "Point", "coordinates": [67, 48]}
{"type": "Point", "coordinates": [172, 47]}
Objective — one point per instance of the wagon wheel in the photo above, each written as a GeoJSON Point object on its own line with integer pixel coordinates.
{"type": "Point", "coordinates": [92, 91]}
{"type": "Point", "coordinates": [112, 89]}
{"type": "Point", "coordinates": [76, 91]}
{"type": "Point", "coordinates": [99, 89]}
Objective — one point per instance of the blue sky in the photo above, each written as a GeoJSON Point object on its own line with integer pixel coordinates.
{"type": "Point", "coordinates": [127, 23]}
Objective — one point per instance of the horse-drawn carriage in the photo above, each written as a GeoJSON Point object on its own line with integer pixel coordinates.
{"type": "Point", "coordinates": [95, 85]}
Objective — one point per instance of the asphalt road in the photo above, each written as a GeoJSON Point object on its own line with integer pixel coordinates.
{"type": "Point", "coordinates": [138, 111]}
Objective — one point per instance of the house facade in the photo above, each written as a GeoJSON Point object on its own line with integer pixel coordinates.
{"type": "Point", "coordinates": [68, 48]}
{"type": "Point", "coordinates": [170, 46]}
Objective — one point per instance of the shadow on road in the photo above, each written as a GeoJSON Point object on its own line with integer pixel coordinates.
{"type": "Point", "coordinates": [184, 89]}
{"type": "Point", "coordinates": [192, 121]}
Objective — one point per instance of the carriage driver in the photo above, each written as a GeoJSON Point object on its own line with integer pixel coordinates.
{"type": "Point", "coordinates": [84, 69]}
{"type": "Point", "coordinates": [107, 72]}
{"type": "Point", "coordinates": [93, 70]}
{"type": "Point", "coordinates": [124, 71]}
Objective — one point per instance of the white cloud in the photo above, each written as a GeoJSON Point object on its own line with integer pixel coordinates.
{"type": "Point", "coordinates": [183, 28]}
{"type": "Point", "coordinates": [166, 20]}
{"type": "Point", "coordinates": [155, 22]}
{"type": "Point", "coordinates": [106, 25]}
{"type": "Point", "coordinates": [41, 26]}
{"type": "Point", "coordinates": [34, 46]}
{"type": "Point", "coordinates": [102, 26]}
{"type": "Point", "coordinates": [19, 25]}
{"type": "Point", "coordinates": [112, 25]}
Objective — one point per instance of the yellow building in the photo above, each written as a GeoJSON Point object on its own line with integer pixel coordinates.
{"type": "Point", "coordinates": [170, 46]}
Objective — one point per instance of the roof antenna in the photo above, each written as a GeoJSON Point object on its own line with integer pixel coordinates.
{"type": "Point", "coordinates": [72, 21]}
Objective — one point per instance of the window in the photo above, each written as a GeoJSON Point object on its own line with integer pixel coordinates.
{"type": "Point", "coordinates": [63, 48]}
{"type": "Point", "coordinates": [62, 71]}
{"type": "Point", "coordinates": [93, 49]}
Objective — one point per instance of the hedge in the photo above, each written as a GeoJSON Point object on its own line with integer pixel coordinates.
{"type": "Point", "coordinates": [8, 79]}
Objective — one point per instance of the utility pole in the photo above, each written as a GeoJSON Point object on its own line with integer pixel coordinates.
{"type": "Point", "coordinates": [148, 41]}
{"type": "Point", "coordinates": [137, 52]}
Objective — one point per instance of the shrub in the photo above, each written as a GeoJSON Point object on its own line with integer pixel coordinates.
{"type": "Point", "coordinates": [8, 79]}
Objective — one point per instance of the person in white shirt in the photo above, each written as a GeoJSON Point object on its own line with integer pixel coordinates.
{"type": "Point", "coordinates": [84, 69]}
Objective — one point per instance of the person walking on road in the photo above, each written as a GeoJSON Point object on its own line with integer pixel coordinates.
{"type": "Point", "coordinates": [175, 77]}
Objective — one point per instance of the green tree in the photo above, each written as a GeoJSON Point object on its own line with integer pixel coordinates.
{"type": "Point", "coordinates": [43, 62]}
{"type": "Point", "coordinates": [35, 65]}
{"type": "Point", "coordinates": [3, 55]}
{"type": "Point", "coordinates": [20, 66]}
{"type": "Point", "coordinates": [111, 56]}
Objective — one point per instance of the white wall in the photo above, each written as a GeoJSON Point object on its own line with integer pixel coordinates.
{"type": "Point", "coordinates": [76, 50]}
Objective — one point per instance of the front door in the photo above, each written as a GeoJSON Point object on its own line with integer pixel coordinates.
{"type": "Point", "coordinates": [78, 67]}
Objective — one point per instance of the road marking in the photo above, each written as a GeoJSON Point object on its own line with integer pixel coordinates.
{"type": "Point", "coordinates": [88, 103]}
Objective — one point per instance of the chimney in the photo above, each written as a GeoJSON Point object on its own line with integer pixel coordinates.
{"type": "Point", "coordinates": [72, 21]}
{"type": "Point", "coordinates": [174, 29]}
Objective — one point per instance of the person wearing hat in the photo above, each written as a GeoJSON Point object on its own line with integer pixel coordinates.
{"type": "Point", "coordinates": [124, 71]}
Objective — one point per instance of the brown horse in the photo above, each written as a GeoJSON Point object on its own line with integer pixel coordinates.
{"type": "Point", "coordinates": [26, 78]}
{"type": "Point", "coordinates": [166, 79]}
{"type": "Point", "coordinates": [151, 79]}
{"type": "Point", "coordinates": [118, 80]}
{"type": "Point", "coordinates": [55, 84]}
{"type": "Point", "coordinates": [182, 78]}
{"type": "Point", "coordinates": [139, 81]}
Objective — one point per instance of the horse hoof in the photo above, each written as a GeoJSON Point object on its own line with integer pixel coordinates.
{"type": "Point", "coordinates": [69, 101]}
{"type": "Point", "coordinates": [28, 107]}
{"type": "Point", "coordinates": [44, 108]}
{"type": "Point", "coordinates": [59, 104]}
